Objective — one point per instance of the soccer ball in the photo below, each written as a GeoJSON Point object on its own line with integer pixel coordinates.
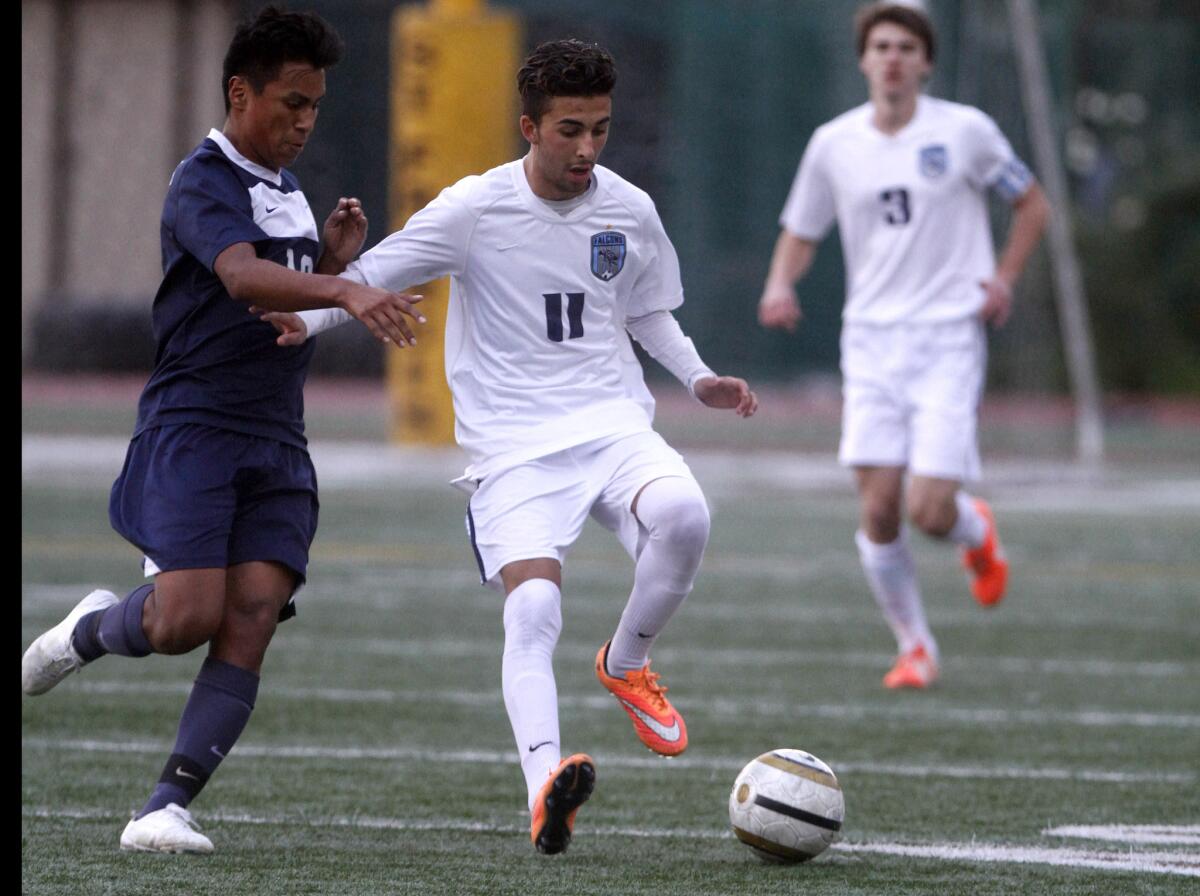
{"type": "Point", "coordinates": [786, 806]}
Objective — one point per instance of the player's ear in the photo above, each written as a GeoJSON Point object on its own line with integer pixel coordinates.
{"type": "Point", "coordinates": [238, 90]}
{"type": "Point", "coordinates": [529, 130]}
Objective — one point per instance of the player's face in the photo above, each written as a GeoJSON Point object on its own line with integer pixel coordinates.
{"type": "Point", "coordinates": [894, 62]}
{"type": "Point", "coordinates": [275, 124]}
{"type": "Point", "coordinates": [565, 144]}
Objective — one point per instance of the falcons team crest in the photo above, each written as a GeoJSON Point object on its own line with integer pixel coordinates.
{"type": "Point", "coordinates": [608, 254]}
{"type": "Point", "coordinates": [933, 161]}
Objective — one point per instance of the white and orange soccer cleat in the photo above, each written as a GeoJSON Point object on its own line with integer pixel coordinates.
{"type": "Point", "coordinates": [914, 669]}
{"type": "Point", "coordinates": [987, 565]}
{"type": "Point", "coordinates": [655, 720]}
{"type": "Point", "coordinates": [557, 801]}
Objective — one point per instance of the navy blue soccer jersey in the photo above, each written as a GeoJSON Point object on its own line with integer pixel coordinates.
{"type": "Point", "coordinates": [216, 363]}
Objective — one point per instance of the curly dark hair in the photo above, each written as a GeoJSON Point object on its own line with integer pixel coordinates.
{"type": "Point", "coordinates": [907, 17]}
{"type": "Point", "coordinates": [261, 46]}
{"type": "Point", "coordinates": [564, 68]}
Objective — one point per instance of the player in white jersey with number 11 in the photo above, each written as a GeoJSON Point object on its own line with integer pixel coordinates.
{"type": "Point", "coordinates": [553, 260]}
{"type": "Point", "coordinates": [905, 178]}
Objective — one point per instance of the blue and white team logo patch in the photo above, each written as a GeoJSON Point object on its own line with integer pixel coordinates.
{"type": "Point", "coordinates": [933, 161]}
{"type": "Point", "coordinates": [608, 254]}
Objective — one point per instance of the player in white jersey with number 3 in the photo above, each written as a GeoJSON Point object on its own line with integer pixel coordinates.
{"type": "Point", "coordinates": [553, 260]}
{"type": "Point", "coordinates": [905, 177]}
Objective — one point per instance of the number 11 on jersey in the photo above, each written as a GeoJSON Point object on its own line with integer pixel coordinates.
{"type": "Point", "coordinates": [554, 309]}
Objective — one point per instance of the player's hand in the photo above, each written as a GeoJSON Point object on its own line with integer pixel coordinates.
{"type": "Point", "coordinates": [291, 327]}
{"type": "Point", "coordinates": [997, 303]}
{"type": "Point", "coordinates": [345, 231]}
{"type": "Point", "coordinates": [779, 309]}
{"type": "Point", "coordinates": [727, 392]}
{"type": "Point", "coordinates": [383, 312]}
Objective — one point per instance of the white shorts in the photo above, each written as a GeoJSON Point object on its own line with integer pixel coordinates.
{"type": "Point", "coordinates": [911, 397]}
{"type": "Point", "coordinates": [538, 508]}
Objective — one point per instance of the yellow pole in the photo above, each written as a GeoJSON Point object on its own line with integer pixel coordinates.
{"type": "Point", "coordinates": [454, 113]}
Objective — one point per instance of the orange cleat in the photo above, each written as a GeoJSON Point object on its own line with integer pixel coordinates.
{"type": "Point", "coordinates": [986, 564]}
{"type": "Point", "coordinates": [915, 669]}
{"type": "Point", "coordinates": [655, 720]}
{"type": "Point", "coordinates": [556, 803]}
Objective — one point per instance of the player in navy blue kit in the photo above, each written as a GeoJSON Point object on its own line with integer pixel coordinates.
{"type": "Point", "coordinates": [217, 489]}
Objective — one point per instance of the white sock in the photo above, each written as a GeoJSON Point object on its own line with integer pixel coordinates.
{"type": "Point", "coordinates": [970, 529]}
{"type": "Point", "coordinates": [532, 624]}
{"type": "Point", "coordinates": [675, 515]}
{"type": "Point", "coordinates": [892, 575]}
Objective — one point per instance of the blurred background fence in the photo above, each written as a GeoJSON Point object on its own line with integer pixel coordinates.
{"type": "Point", "coordinates": [714, 105]}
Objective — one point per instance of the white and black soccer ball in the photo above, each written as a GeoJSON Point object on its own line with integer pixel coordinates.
{"type": "Point", "coordinates": [787, 806]}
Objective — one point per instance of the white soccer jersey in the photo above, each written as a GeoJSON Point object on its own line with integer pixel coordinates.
{"type": "Point", "coordinates": [910, 207]}
{"type": "Point", "coordinates": [537, 356]}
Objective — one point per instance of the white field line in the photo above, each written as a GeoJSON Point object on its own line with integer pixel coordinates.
{"type": "Point", "coordinates": [720, 706]}
{"type": "Point", "coordinates": [1048, 487]}
{"type": "Point", "coordinates": [1186, 834]}
{"type": "Point", "coordinates": [415, 587]}
{"type": "Point", "coordinates": [715, 763]}
{"type": "Point", "coordinates": [488, 648]}
{"type": "Point", "coordinates": [1181, 863]}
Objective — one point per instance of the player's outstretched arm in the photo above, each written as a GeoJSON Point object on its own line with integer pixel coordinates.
{"type": "Point", "coordinates": [778, 306]}
{"type": "Point", "coordinates": [343, 236]}
{"type": "Point", "coordinates": [727, 392]}
{"type": "Point", "coordinates": [274, 287]}
{"type": "Point", "coordinates": [1030, 214]}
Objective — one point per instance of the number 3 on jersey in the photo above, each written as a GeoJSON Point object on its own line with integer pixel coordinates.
{"type": "Point", "coordinates": [895, 206]}
{"type": "Point", "coordinates": [554, 315]}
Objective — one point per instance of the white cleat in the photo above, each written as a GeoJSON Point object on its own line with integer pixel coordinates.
{"type": "Point", "coordinates": [170, 829]}
{"type": "Point", "coordinates": [51, 658]}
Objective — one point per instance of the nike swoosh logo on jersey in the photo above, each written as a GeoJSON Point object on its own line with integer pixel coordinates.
{"type": "Point", "coordinates": [179, 771]}
{"type": "Point", "coordinates": [271, 210]}
{"type": "Point", "coordinates": [670, 735]}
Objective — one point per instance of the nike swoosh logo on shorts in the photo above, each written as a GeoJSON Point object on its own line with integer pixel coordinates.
{"type": "Point", "coordinates": [670, 735]}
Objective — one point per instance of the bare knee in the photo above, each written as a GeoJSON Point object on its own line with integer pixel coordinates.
{"type": "Point", "coordinates": [880, 519]}
{"type": "Point", "coordinates": [931, 516]}
{"type": "Point", "coordinates": [252, 620]}
{"type": "Point", "coordinates": [180, 629]}
{"type": "Point", "coordinates": [246, 631]}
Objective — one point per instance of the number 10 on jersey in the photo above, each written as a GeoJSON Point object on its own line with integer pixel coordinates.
{"type": "Point", "coordinates": [554, 315]}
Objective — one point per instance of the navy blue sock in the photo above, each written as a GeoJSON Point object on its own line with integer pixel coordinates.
{"type": "Point", "coordinates": [216, 712]}
{"type": "Point", "coordinates": [117, 629]}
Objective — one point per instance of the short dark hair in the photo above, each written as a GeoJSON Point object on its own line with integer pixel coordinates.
{"type": "Point", "coordinates": [908, 17]}
{"type": "Point", "coordinates": [564, 68]}
{"type": "Point", "coordinates": [261, 46]}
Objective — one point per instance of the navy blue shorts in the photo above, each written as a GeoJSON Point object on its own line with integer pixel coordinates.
{"type": "Point", "coordinates": [196, 497]}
